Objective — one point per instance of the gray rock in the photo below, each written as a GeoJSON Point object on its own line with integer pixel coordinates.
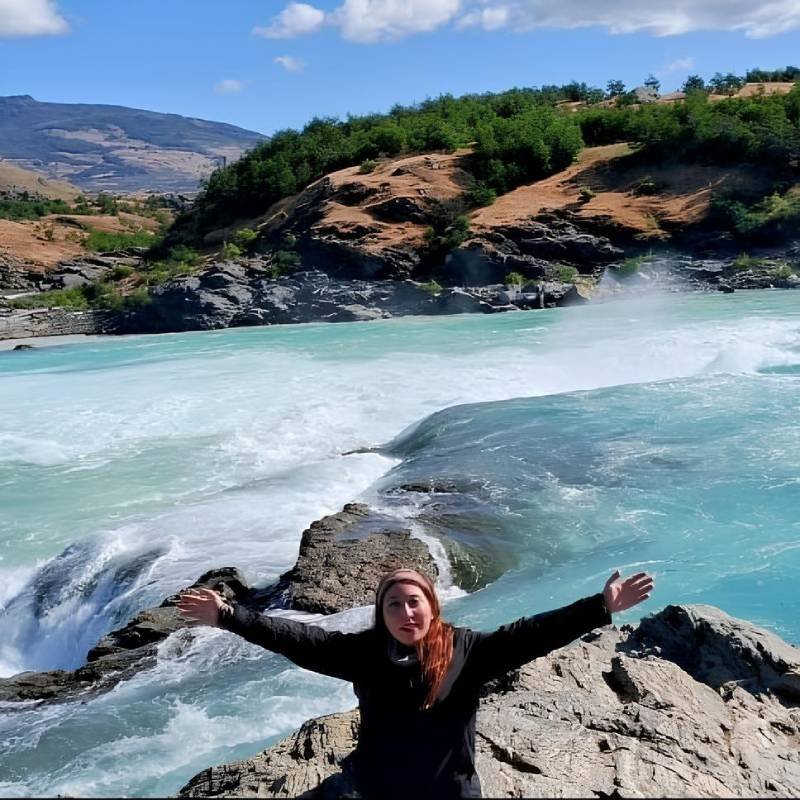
{"type": "Point", "coordinates": [599, 718]}
{"type": "Point", "coordinates": [343, 557]}
{"type": "Point", "coordinates": [459, 301]}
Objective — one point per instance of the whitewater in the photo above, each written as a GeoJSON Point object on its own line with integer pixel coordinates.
{"type": "Point", "coordinates": [655, 432]}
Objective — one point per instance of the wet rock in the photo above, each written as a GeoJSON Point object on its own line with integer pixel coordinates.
{"type": "Point", "coordinates": [343, 557]}
{"type": "Point", "coordinates": [605, 717]}
{"type": "Point", "coordinates": [228, 295]}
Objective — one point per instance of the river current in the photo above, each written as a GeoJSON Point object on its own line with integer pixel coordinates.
{"type": "Point", "coordinates": [657, 432]}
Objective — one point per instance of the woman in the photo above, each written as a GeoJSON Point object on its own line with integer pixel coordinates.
{"type": "Point", "coordinates": [416, 677]}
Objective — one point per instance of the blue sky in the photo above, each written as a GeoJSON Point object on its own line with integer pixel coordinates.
{"type": "Point", "coordinates": [266, 65]}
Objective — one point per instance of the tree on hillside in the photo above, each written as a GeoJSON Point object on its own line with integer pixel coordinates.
{"type": "Point", "coordinates": [785, 75]}
{"type": "Point", "coordinates": [726, 84]}
{"type": "Point", "coordinates": [615, 88]}
{"type": "Point", "coordinates": [653, 83]}
{"type": "Point", "coordinates": [694, 83]}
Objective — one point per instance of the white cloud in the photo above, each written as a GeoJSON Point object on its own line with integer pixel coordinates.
{"type": "Point", "coordinates": [230, 86]}
{"type": "Point", "coordinates": [380, 20]}
{"type": "Point", "coordinates": [296, 19]}
{"type": "Point", "coordinates": [290, 64]}
{"type": "Point", "coordinates": [30, 18]}
{"type": "Point", "coordinates": [681, 65]}
{"type": "Point", "coordinates": [633, 16]}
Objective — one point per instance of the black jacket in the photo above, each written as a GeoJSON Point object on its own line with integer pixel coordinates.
{"type": "Point", "coordinates": [403, 751]}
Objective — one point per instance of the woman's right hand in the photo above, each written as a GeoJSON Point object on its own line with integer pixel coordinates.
{"type": "Point", "coordinates": [201, 605]}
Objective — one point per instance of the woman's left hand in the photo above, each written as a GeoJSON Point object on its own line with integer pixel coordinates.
{"type": "Point", "coordinates": [623, 594]}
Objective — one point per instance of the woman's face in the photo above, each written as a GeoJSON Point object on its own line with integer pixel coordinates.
{"type": "Point", "coordinates": [407, 613]}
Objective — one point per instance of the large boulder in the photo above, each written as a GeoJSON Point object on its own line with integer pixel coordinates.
{"type": "Point", "coordinates": [606, 717]}
{"type": "Point", "coordinates": [343, 557]}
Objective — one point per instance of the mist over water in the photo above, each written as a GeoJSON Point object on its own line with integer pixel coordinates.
{"type": "Point", "coordinates": [658, 432]}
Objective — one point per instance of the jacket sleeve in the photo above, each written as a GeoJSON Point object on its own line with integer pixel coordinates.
{"type": "Point", "coordinates": [511, 646]}
{"type": "Point", "coordinates": [309, 646]}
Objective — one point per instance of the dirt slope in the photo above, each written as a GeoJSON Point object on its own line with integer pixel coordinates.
{"type": "Point", "coordinates": [682, 196]}
{"type": "Point", "coordinates": [14, 179]}
{"type": "Point", "coordinates": [42, 244]}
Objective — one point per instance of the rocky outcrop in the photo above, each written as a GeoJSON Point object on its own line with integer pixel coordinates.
{"type": "Point", "coordinates": [343, 557]}
{"type": "Point", "coordinates": [692, 703]}
{"type": "Point", "coordinates": [372, 225]}
{"type": "Point", "coordinates": [22, 323]}
{"type": "Point", "coordinates": [536, 248]}
{"type": "Point", "coordinates": [241, 294]}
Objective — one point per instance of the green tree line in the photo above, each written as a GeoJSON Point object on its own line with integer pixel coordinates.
{"type": "Point", "coordinates": [761, 130]}
{"type": "Point", "coordinates": [516, 136]}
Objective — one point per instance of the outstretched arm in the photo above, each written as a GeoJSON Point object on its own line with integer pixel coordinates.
{"type": "Point", "coordinates": [513, 645]}
{"type": "Point", "coordinates": [308, 646]}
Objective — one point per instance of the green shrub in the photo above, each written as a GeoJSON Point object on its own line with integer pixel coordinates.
{"type": "Point", "coordinates": [120, 272]}
{"type": "Point", "coordinates": [586, 194]}
{"type": "Point", "coordinates": [245, 238]}
{"type": "Point", "coordinates": [514, 279]}
{"type": "Point", "coordinates": [158, 274]}
{"type": "Point", "coordinates": [744, 261]}
{"type": "Point", "coordinates": [138, 297]}
{"type": "Point", "coordinates": [565, 273]}
{"type": "Point", "coordinates": [367, 165]}
{"type": "Point", "coordinates": [230, 252]}
{"type": "Point", "coordinates": [106, 204]}
{"type": "Point", "coordinates": [185, 255]}
{"type": "Point", "coordinates": [645, 188]}
{"type": "Point", "coordinates": [450, 229]}
{"type": "Point", "coordinates": [20, 209]}
{"type": "Point", "coordinates": [284, 262]}
{"type": "Point", "coordinates": [431, 287]}
{"type": "Point", "coordinates": [480, 195]}
{"type": "Point", "coordinates": [630, 266]}
{"type": "Point", "coordinates": [73, 299]}
{"type": "Point", "coordinates": [105, 242]}
{"type": "Point", "coordinates": [782, 271]}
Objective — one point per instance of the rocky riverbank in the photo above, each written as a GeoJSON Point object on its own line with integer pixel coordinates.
{"type": "Point", "coordinates": [690, 703]}
{"type": "Point", "coordinates": [552, 260]}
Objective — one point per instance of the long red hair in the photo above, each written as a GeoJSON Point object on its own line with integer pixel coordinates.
{"type": "Point", "coordinates": [435, 650]}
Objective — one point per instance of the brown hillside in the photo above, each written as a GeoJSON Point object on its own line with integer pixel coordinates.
{"type": "Point", "coordinates": [384, 208]}
{"type": "Point", "coordinates": [14, 179]}
{"type": "Point", "coordinates": [44, 243]}
{"type": "Point", "coordinates": [379, 210]}
{"type": "Point", "coordinates": [683, 194]}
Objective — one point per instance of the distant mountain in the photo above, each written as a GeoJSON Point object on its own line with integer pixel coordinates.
{"type": "Point", "coordinates": [114, 148]}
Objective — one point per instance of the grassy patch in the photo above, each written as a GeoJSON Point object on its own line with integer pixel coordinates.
{"type": "Point", "coordinates": [565, 273]}
{"type": "Point", "coordinates": [782, 271]}
{"type": "Point", "coordinates": [105, 242]}
{"type": "Point", "coordinates": [514, 279]}
{"type": "Point", "coordinates": [744, 261]}
{"type": "Point", "coordinates": [84, 298]}
{"type": "Point", "coordinates": [630, 266]}
{"type": "Point", "coordinates": [431, 287]}
{"type": "Point", "coordinates": [72, 299]}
